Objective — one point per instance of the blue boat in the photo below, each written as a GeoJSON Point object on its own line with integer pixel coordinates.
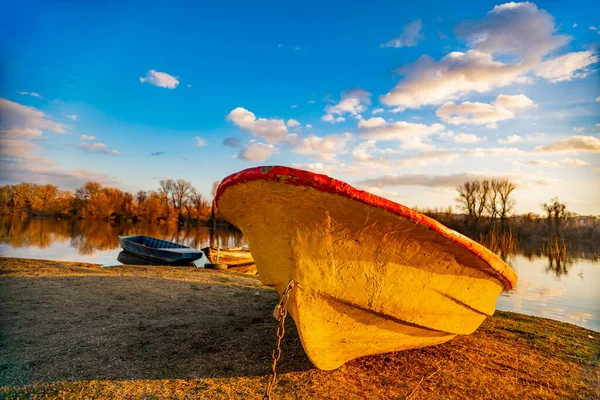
{"type": "Point", "coordinates": [159, 251]}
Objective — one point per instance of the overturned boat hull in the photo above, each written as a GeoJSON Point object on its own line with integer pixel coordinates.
{"type": "Point", "coordinates": [373, 276]}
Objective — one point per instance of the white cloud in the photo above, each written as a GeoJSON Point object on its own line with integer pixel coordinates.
{"type": "Point", "coordinates": [20, 132]}
{"type": "Point", "coordinates": [311, 102]}
{"type": "Point", "coordinates": [318, 168]}
{"type": "Point", "coordinates": [16, 116]}
{"type": "Point", "coordinates": [73, 117]}
{"type": "Point", "coordinates": [410, 36]}
{"type": "Point", "coordinates": [160, 79]}
{"type": "Point", "coordinates": [86, 137]}
{"type": "Point", "coordinates": [484, 113]}
{"type": "Point", "coordinates": [429, 82]}
{"type": "Point", "coordinates": [543, 163]}
{"type": "Point", "coordinates": [293, 106]}
{"type": "Point", "coordinates": [566, 162]}
{"type": "Point", "coordinates": [521, 34]}
{"type": "Point", "coordinates": [473, 113]}
{"type": "Point", "coordinates": [18, 149]}
{"type": "Point", "coordinates": [574, 25]}
{"type": "Point", "coordinates": [332, 119]}
{"type": "Point", "coordinates": [189, 85]}
{"type": "Point", "coordinates": [567, 67]}
{"type": "Point", "coordinates": [23, 164]}
{"type": "Point", "coordinates": [371, 123]}
{"type": "Point", "coordinates": [34, 94]}
{"type": "Point", "coordinates": [511, 139]}
{"type": "Point", "coordinates": [200, 142]}
{"type": "Point", "coordinates": [20, 154]}
{"type": "Point", "coordinates": [428, 180]}
{"type": "Point", "coordinates": [573, 144]}
{"type": "Point", "coordinates": [377, 111]}
{"type": "Point", "coordinates": [578, 129]}
{"type": "Point", "coordinates": [446, 181]}
{"type": "Point", "coordinates": [292, 123]}
{"type": "Point", "coordinates": [363, 151]}
{"type": "Point", "coordinates": [598, 99]}
{"type": "Point", "coordinates": [593, 28]}
{"type": "Point", "coordinates": [411, 135]}
{"type": "Point", "coordinates": [519, 29]}
{"type": "Point", "coordinates": [494, 152]}
{"type": "Point", "coordinates": [308, 126]}
{"type": "Point", "coordinates": [324, 148]}
{"type": "Point", "coordinates": [353, 101]}
{"type": "Point", "coordinates": [272, 130]}
{"type": "Point", "coordinates": [466, 138]}
{"type": "Point", "coordinates": [514, 102]}
{"type": "Point", "coordinates": [256, 151]}
{"type": "Point", "coordinates": [572, 162]}
{"type": "Point", "coordinates": [429, 158]}
{"type": "Point", "coordinates": [97, 148]}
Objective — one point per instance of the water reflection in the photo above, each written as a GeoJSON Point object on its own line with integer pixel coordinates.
{"type": "Point", "coordinates": [558, 264]}
{"type": "Point", "coordinates": [89, 237]}
{"type": "Point", "coordinates": [561, 287]}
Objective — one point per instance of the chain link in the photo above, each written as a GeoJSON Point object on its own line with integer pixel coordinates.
{"type": "Point", "coordinates": [282, 307]}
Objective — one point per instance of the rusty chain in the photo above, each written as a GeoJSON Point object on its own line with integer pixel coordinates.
{"type": "Point", "coordinates": [279, 313]}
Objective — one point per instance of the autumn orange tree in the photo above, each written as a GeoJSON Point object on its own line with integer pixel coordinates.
{"type": "Point", "coordinates": [175, 200]}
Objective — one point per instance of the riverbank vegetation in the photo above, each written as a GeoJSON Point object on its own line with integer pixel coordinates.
{"type": "Point", "coordinates": [88, 236]}
{"type": "Point", "coordinates": [190, 333]}
{"type": "Point", "coordinates": [174, 200]}
{"type": "Point", "coordinates": [485, 212]}
{"type": "Point", "coordinates": [486, 215]}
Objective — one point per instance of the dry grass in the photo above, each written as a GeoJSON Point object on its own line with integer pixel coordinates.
{"type": "Point", "coordinates": [502, 242]}
{"type": "Point", "coordinates": [77, 331]}
{"type": "Point", "coordinates": [557, 247]}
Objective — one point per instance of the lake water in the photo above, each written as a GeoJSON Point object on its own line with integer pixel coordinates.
{"type": "Point", "coordinates": [564, 290]}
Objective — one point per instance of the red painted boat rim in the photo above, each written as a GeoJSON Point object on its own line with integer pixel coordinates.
{"type": "Point", "coordinates": [327, 184]}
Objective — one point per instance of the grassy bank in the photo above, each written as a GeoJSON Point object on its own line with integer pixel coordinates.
{"type": "Point", "coordinates": [75, 330]}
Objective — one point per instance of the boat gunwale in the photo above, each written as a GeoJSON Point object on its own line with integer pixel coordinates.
{"type": "Point", "coordinates": [330, 185]}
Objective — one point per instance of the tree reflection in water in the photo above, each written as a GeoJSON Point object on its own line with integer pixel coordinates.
{"type": "Point", "coordinates": [559, 264]}
{"type": "Point", "coordinates": [88, 236]}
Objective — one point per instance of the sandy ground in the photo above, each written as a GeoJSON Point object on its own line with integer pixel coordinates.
{"type": "Point", "coordinates": [75, 330]}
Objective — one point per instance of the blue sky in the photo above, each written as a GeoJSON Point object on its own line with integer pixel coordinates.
{"type": "Point", "coordinates": [404, 100]}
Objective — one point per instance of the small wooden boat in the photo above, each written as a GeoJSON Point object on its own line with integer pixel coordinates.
{"type": "Point", "coordinates": [159, 251]}
{"type": "Point", "coordinates": [373, 276]}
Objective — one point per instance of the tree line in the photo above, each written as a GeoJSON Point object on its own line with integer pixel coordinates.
{"type": "Point", "coordinates": [173, 200]}
{"type": "Point", "coordinates": [491, 199]}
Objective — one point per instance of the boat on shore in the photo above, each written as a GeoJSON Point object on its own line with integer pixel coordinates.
{"type": "Point", "coordinates": [159, 251]}
{"type": "Point", "coordinates": [373, 276]}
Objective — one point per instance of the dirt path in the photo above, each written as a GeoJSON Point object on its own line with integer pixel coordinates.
{"type": "Point", "coordinates": [73, 330]}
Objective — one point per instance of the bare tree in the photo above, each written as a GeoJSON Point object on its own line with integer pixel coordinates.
{"type": "Point", "coordinates": [179, 192]}
{"type": "Point", "coordinates": [493, 199]}
{"type": "Point", "coordinates": [481, 198]}
{"type": "Point", "coordinates": [197, 200]}
{"type": "Point", "coordinates": [26, 193]}
{"type": "Point", "coordinates": [46, 193]}
{"type": "Point", "coordinates": [467, 198]}
{"type": "Point", "coordinates": [507, 203]}
{"type": "Point", "coordinates": [557, 211]}
{"type": "Point", "coordinates": [165, 190]}
{"type": "Point", "coordinates": [141, 197]}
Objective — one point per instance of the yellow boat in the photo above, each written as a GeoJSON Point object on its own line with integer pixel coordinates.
{"type": "Point", "coordinates": [373, 276]}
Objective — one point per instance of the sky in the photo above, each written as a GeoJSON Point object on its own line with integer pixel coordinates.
{"type": "Point", "coordinates": [405, 100]}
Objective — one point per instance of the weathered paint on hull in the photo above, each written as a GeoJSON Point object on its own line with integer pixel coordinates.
{"type": "Point", "coordinates": [370, 281]}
